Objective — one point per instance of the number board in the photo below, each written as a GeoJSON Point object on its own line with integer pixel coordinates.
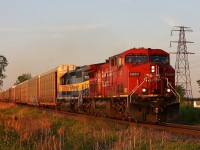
{"type": "Point", "coordinates": [134, 74]}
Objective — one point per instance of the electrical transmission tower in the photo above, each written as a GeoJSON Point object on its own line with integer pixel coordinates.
{"type": "Point", "coordinates": [182, 64]}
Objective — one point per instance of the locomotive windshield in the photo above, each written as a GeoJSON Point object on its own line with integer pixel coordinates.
{"type": "Point", "coordinates": [159, 59]}
{"type": "Point", "coordinates": [74, 77]}
{"type": "Point", "coordinates": [136, 58]}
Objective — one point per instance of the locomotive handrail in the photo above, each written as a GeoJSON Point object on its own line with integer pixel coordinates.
{"type": "Point", "coordinates": [134, 90]}
{"type": "Point", "coordinates": [174, 91]}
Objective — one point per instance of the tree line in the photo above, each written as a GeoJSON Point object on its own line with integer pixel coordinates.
{"type": "Point", "coordinates": [3, 65]}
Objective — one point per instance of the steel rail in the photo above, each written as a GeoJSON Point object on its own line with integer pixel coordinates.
{"type": "Point", "coordinates": [169, 127]}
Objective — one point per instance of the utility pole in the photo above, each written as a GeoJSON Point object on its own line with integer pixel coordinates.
{"type": "Point", "coordinates": [182, 64]}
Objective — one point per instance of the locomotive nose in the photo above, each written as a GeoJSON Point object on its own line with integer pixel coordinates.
{"type": "Point", "coordinates": [157, 69]}
{"type": "Point", "coordinates": [155, 80]}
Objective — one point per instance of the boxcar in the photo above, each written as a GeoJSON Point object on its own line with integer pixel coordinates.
{"type": "Point", "coordinates": [1, 96]}
{"type": "Point", "coordinates": [48, 84]}
{"type": "Point", "coordinates": [24, 92]}
{"type": "Point", "coordinates": [33, 91]}
{"type": "Point", "coordinates": [12, 93]}
{"type": "Point", "coordinates": [18, 93]}
{"type": "Point", "coordinates": [6, 96]}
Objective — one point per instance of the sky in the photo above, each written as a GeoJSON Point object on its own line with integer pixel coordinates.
{"type": "Point", "coordinates": [39, 35]}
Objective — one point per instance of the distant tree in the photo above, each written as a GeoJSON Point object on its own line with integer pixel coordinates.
{"type": "Point", "coordinates": [22, 78]}
{"type": "Point", "coordinates": [198, 81]}
{"type": "Point", "coordinates": [3, 64]}
{"type": "Point", "coordinates": [181, 91]}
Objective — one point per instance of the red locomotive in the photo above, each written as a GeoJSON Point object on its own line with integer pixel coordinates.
{"type": "Point", "coordinates": [137, 84]}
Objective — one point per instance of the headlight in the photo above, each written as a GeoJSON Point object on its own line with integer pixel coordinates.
{"type": "Point", "coordinates": [144, 90]}
{"type": "Point", "coordinates": [152, 68]}
{"type": "Point", "coordinates": [168, 90]}
{"type": "Point", "coordinates": [156, 110]}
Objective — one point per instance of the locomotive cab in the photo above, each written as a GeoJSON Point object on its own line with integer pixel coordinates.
{"type": "Point", "coordinates": [73, 86]}
{"type": "Point", "coordinates": [151, 94]}
{"type": "Point", "coordinates": [138, 83]}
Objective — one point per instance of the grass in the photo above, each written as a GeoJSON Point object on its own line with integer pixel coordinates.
{"type": "Point", "coordinates": [26, 128]}
{"type": "Point", "coordinates": [189, 115]}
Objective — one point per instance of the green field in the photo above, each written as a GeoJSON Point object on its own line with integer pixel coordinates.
{"type": "Point", "coordinates": [189, 115]}
{"type": "Point", "coordinates": [24, 128]}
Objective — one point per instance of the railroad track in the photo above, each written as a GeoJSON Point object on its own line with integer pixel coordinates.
{"type": "Point", "coordinates": [169, 127]}
{"type": "Point", "coordinates": [185, 129]}
{"type": "Point", "coordinates": [174, 128]}
{"type": "Point", "coordinates": [195, 128]}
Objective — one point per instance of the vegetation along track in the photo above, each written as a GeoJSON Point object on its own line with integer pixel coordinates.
{"type": "Point", "coordinates": [170, 127]}
{"type": "Point", "coordinates": [185, 129]}
{"type": "Point", "coordinates": [174, 128]}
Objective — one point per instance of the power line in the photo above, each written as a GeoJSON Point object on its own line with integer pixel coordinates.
{"type": "Point", "coordinates": [182, 64]}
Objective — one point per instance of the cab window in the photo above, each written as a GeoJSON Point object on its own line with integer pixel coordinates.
{"type": "Point", "coordinates": [159, 59]}
{"type": "Point", "coordinates": [136, 58]}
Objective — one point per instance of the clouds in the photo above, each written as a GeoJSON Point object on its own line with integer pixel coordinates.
{"type": "Point", "coordinates": [170, 22]}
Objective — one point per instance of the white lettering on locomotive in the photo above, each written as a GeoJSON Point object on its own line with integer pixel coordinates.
{"type": "Point", "coordinates": [134, 74]}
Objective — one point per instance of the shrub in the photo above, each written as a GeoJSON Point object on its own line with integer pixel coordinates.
{"type": "Point", "coordinates": [189, 115]}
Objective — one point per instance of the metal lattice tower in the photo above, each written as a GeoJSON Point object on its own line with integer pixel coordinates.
{"type": "Point", "coordinates": [182, 64]}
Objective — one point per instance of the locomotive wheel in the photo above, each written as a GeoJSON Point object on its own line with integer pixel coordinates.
{"type": "Point", "coordinates": [87, 107]}
{"type": "Point", "coordinates": [73, 106]}
{"type": "Point", "coordinates": [61, 106]}
{"type": "Point", "coordinates": [119, 109]}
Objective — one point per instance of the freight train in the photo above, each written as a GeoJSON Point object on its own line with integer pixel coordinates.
{"type": "Point", "coordinates": [137, 84]}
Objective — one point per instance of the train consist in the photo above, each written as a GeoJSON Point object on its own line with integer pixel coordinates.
{"type": "Point", "coordinates": [137, 84]}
